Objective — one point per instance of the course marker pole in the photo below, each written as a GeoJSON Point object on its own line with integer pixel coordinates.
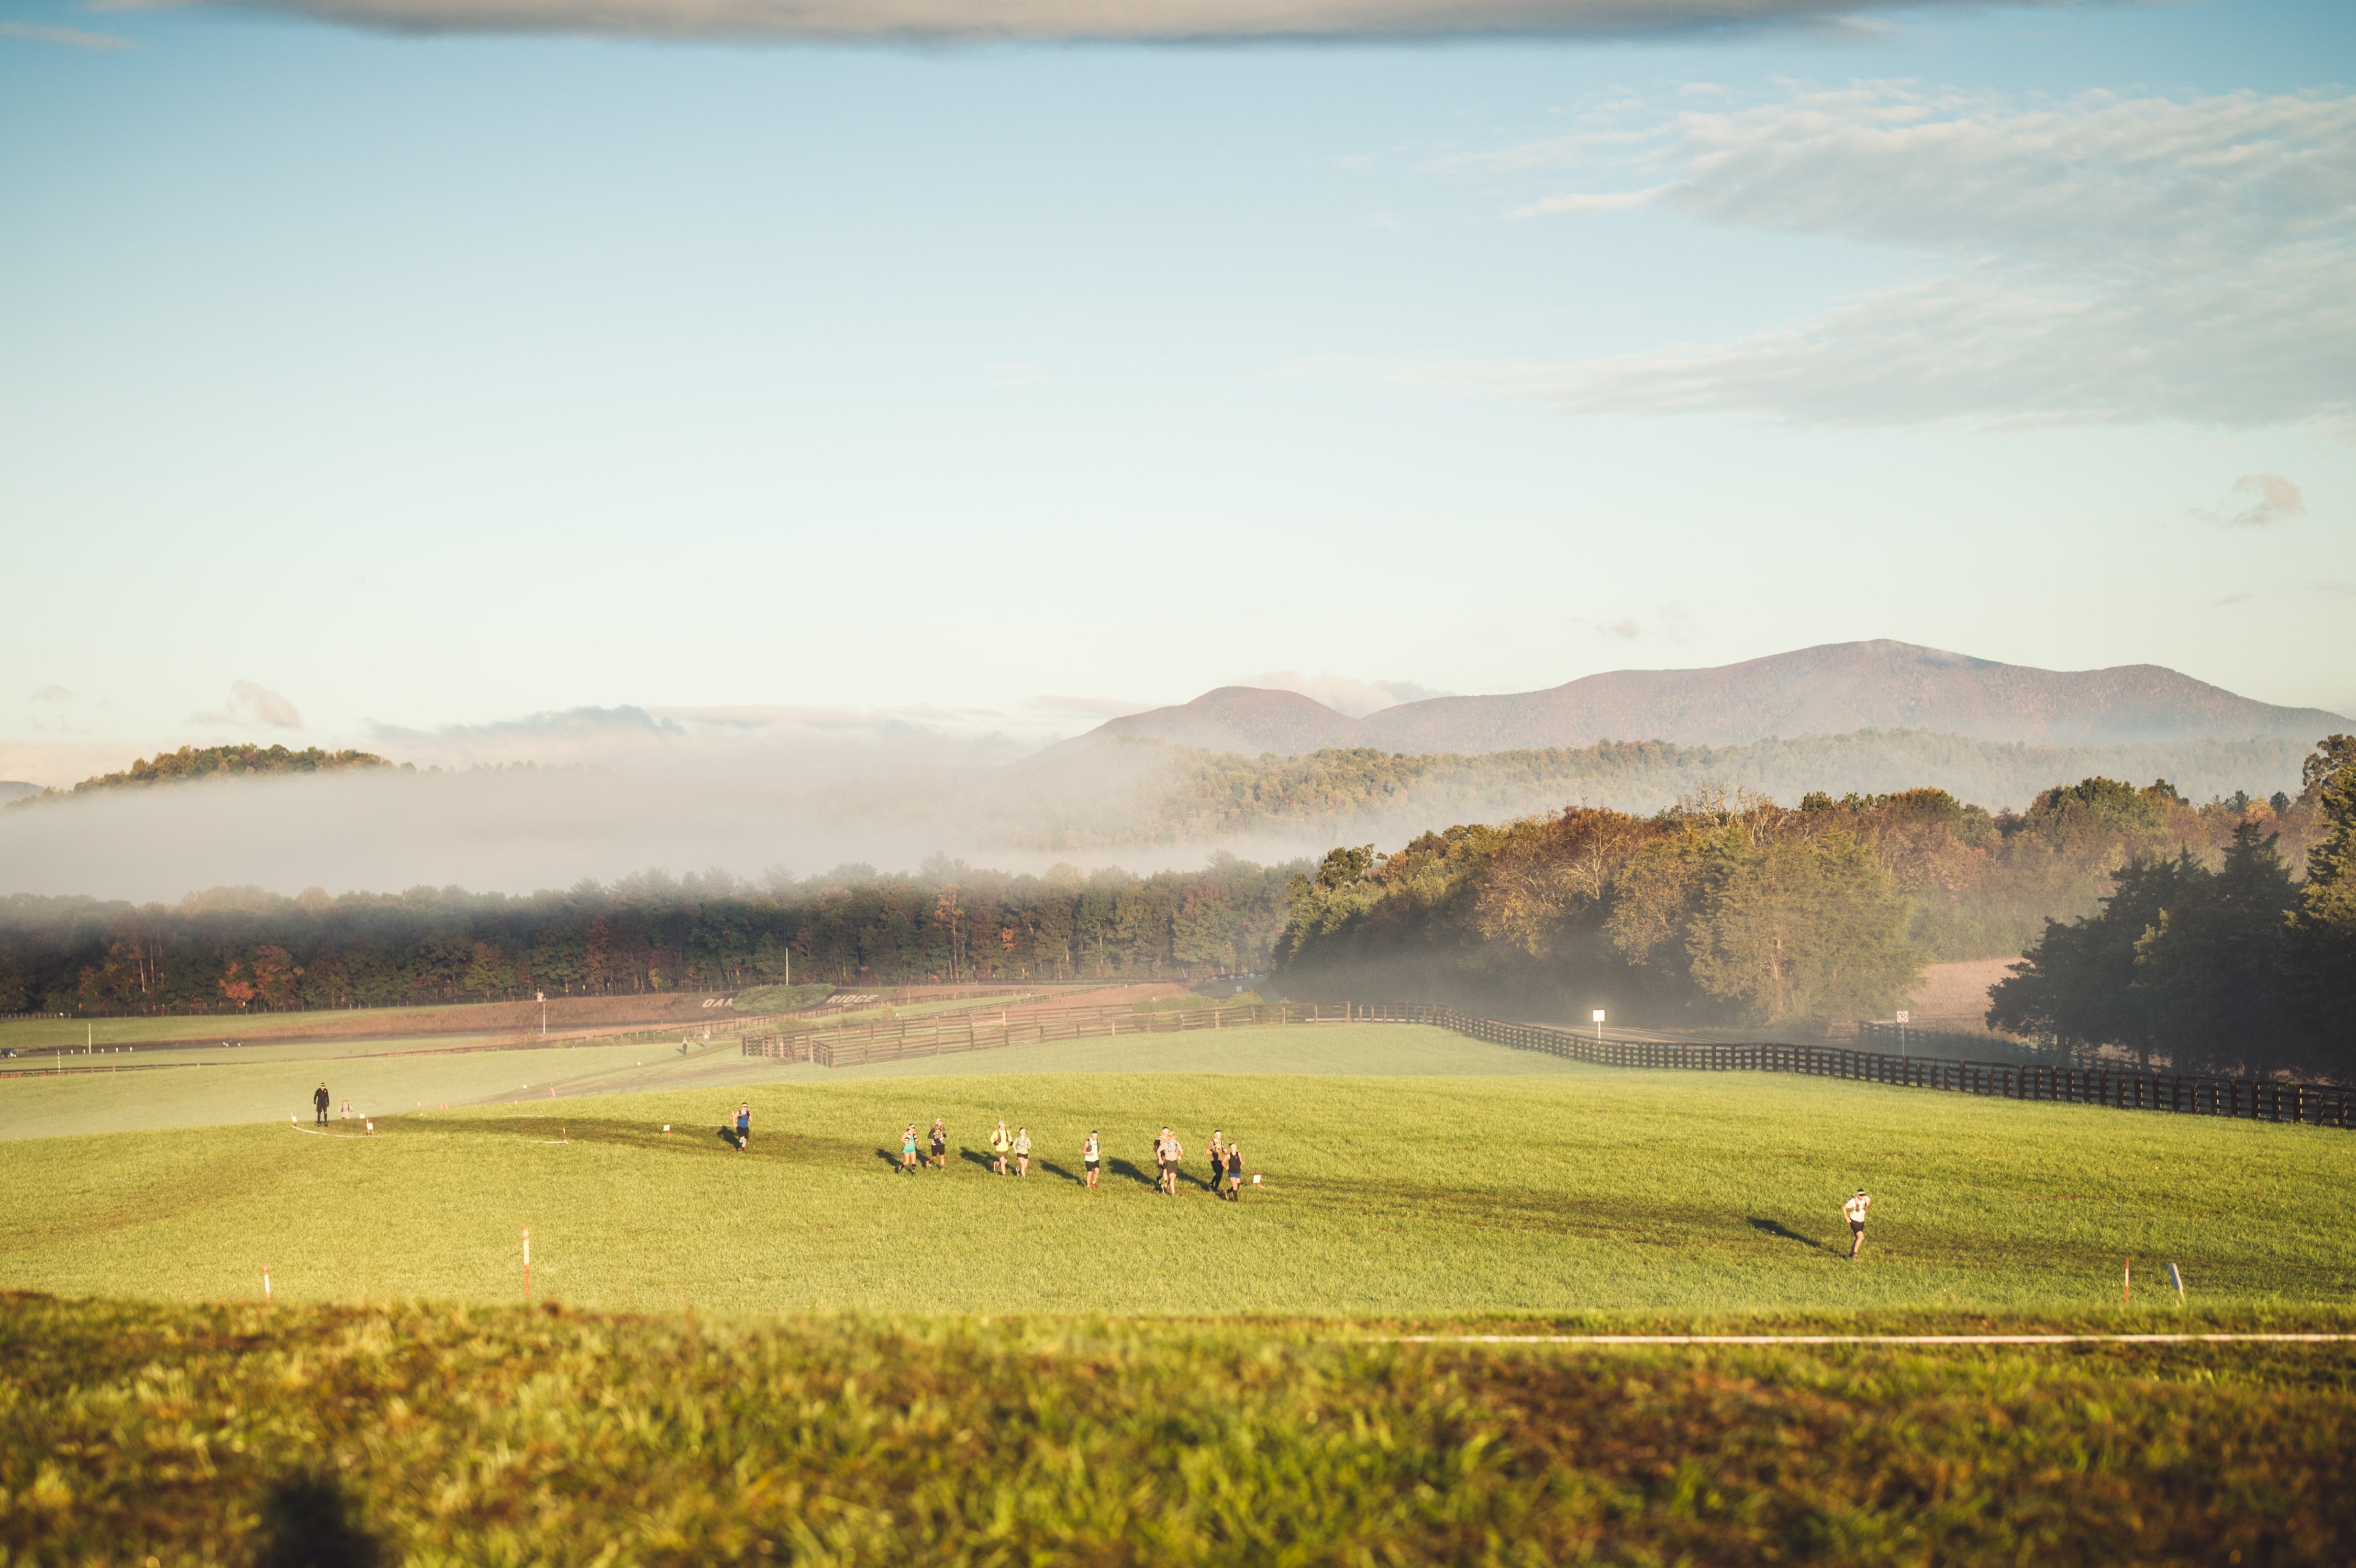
{"type": "Point", "coordinates": [265, 1284]}
{"type": "Point", "coordinates": [2126, 1281]}
{"type": "Point", "coordinates": [526, 1265]}
{"type": "Point", "coordinates": [2177, 1280]}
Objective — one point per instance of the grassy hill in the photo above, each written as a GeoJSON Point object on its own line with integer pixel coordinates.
{"type": "Point", "coordinates": [795, 1353]}
{"type": "Point", "coordinates": [1396, 1189]}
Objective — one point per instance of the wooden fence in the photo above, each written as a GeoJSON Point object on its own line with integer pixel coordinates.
{"type": "Point", "coordinates": [2264, 1099]}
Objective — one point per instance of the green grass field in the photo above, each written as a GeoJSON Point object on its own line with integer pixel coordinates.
{"type": "Point", "coordinates": [1410, 1175]}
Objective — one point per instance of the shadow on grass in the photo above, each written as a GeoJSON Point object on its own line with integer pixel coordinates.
{"type": "Point", "coordinates": [1129, 1168]}
{"type": "Point", "coordinates": [1049, 1167]}
{"type": "Point", "coordinates": [1784, 1233]}
{"type": "Point", "coordinates": [307, 1523]}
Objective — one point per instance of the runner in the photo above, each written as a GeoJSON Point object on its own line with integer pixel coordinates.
{"type": "Point", "coordinates": [1022, 1151]}
{"type": "Point", "coordinates": [744, 1125]}
{"type": "Point", "coordinates": [999, 1142]}
{"type": "Point", "coordinates": [1219, 1159]}
{"type": "Point", "coordinates": [1169, 1151]}
{"type": "Point", "coordinates": [1855, 1209]}
{"type": "Point", "coordinates": [1089, 1153]}
{"type": "Point", "coordinates": [1235, 1172]}
{"type": "Point", "coordinates": [940, 1145]}
{"type": "Point", "coordinates": [908, 1151]}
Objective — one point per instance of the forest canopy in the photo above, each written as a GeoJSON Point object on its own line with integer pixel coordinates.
{"type": "Point", "coordinates": [1728, 908]}
{"type": "Point", "coordinates": [190, 763]}
{"type": "Point", "coordinates": [1724, 908]}
{"type": "Point", "coordinates": [2224, 962]}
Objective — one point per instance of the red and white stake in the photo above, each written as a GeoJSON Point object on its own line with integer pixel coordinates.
{"type": "Point", "coordinates": [2126, 1281]}
{"type": "Point", "coordinates": [526, 1265]}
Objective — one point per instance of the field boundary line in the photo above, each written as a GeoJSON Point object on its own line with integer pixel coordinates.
{"type": "Point", "coordinates": [1858, 1338]}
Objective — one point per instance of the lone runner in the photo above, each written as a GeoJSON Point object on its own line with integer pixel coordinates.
{"type": "Point", "coordinates": [1855, 1209]}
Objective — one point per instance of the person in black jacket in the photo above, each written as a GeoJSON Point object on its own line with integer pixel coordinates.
{"type": "Point", "coordinates": [319, 1103]}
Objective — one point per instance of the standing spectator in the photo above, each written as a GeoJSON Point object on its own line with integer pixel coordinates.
{"type": "Point", "coordinates": [320, 1102]}
{"type": "Point", "coordinates": [1854, 1210]}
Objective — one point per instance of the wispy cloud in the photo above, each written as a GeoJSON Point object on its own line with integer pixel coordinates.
{"type": "Point", "coordinates": [249, 705]}
{"type": "Point", "coordinates": [1167, 19]}
{"type": "Point", "coordinates": [2096, 259]}
{"type": "Point", "coordinates": [2255, 501]}
{"type": "Point", "coordinates": [65, 38]}
{"type": "Point", "coordinates": [1588, 201]}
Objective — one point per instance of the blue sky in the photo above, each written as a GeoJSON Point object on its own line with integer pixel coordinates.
{"type": "Point", "coordinates": [393, 387]}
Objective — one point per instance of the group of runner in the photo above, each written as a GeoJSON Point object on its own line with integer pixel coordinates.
{"type": "Point", "coordinates": [932, 1152]}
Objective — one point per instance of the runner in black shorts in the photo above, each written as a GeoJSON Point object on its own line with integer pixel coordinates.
{"type": "Point", "coordinates": [940, 1145]}
{"type": "Point", "coordinates": [1091, 1153]}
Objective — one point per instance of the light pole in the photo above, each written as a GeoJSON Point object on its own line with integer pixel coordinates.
{"type": "Point", "coordinates": [1599, 1025]}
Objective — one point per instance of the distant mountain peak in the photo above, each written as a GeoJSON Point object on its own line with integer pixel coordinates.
{"type": "Point", "coordinates": [1833, 688]}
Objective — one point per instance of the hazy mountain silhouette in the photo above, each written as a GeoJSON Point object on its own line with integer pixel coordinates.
{"type": "Point", "coordinates": [1830, 690]}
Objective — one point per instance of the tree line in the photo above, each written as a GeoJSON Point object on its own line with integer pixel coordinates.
{"type": "Point", "coordinates": [1728, 908]}
{"type": "Point", "coordinates": [2234, 966]}
{"type": "Point", "coordinates": [243, 949]}
{"type": "Point", "coordinates": [2150, 922]}
{"type": "Point", "coordinates": [243, 759]}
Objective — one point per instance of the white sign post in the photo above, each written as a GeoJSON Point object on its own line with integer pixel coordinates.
{"type": "Point", "coordinates": [1599, 1025]}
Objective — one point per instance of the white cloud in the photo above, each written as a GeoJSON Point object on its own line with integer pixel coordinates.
{"type": "Point", "coordinates": [53, 694]}
{"type": "Point", "coordinates": [2097, 259]}
{"type": "Point", "coordinates": [2254, 501]}
{"type": "Point", "coordinates": [250, 704]}
{"type": "Point", "coordinates": [1174, 19]}
{"type": "Point", "coordinates": [65, 38]}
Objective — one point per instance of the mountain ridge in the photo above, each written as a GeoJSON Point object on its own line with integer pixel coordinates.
{"type": "Point", "coordinates": [1829, 689]}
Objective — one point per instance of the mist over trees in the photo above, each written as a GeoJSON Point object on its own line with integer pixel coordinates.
{"type": "Point", "coordinates": [242, 949]}
{"type": "Point", "coordinates": [2157, 924]}
{"type": "Point", "coordinates": [190, 763]}
{"type": "Point", "coordinates": [1728, 908]}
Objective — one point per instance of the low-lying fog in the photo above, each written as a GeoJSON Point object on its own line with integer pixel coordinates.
{"type": "Point", "coordinates": [1142, 807]}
